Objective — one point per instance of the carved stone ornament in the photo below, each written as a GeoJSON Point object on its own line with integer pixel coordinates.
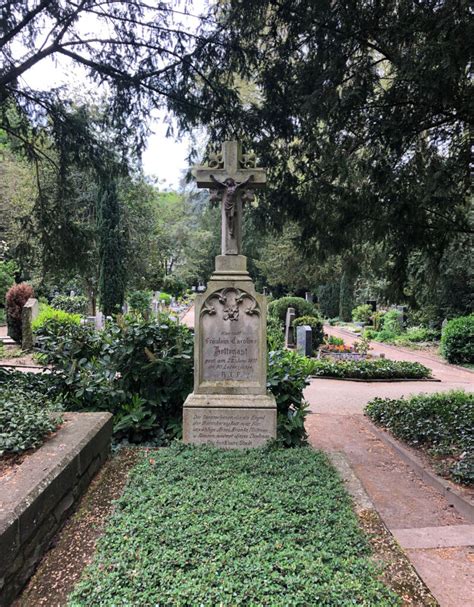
{"type": "Point", "coordinates": [216, 160]}
{"type": "Point", "coordinates": [248, 161]}
{"type": "Point", "coordinates": [231, 299]}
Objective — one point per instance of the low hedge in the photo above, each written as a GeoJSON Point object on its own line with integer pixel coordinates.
{"type": "Point", "coordinates": [369, 369]}
{"type": "Point", "coordinates": [443, 423]}
{"type": "Point", "coordinates": [457, 340]}
{"type": "Point", "coordinates": [201, 526]}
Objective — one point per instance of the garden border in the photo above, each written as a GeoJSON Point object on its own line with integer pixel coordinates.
{"type": "Point", "coordinates": [401, 349]}
{"type": "Point", "coordinates": [39, 494]}
{"type": "Point", "coordinates": [447, 489]}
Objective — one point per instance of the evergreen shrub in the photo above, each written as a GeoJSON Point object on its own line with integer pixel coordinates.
{"type": "Point", "coordinates": [60, 318]}
{"type": "Point", "coordinates": [457, 340]}
{"type": "Point", "coordinates": [362, 313]}
{"type": "Point", "coordinates": [74, 304]}
{"type": "Point", "coordinates": [328, 300]}
{"type": "Point", "coordinates": [316, 324]}
{"type": "Point", "coordinates": [443, 423]}
{"type": "Point", "coordinates": [278, 307]}
{"type": "Point", "coordinates": [275, 335]}
{"type": "Point", "coordinates": [16, 298]}
{"type": "Point", "coordinates": [140, 302]}
{"type": "Point", "coordinates": [368, 369]}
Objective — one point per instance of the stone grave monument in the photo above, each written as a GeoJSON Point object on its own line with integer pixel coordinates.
{"type": "Point", "coordinates": [229, 406]}
{"type": "Point", "coordinates": [289, 328]}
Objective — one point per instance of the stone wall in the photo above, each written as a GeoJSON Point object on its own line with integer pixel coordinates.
{"type": "Point", "coordinates": [37, 496]}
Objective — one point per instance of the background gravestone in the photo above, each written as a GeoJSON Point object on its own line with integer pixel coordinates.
{"type": "Point", "coordinates": [304, 345]}
{"type": "Point", "coordinates": [28, 313]}
{"type": "Point", "coordinates": [289, 329]}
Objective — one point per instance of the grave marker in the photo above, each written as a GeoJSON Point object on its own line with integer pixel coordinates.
{"type": "Point", "coordinates": [289, 329]}
{"type": "Point", "coordinates": [304, 340]}
{"type": "Point", "coordinates": [229, 406]}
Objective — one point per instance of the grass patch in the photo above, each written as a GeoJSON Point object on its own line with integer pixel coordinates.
{"type": "Point", "coordinates": [441, 424]}
{"type": "Point", "coordinates": [200, 526]}
{"type": "Point", "coordinates": [369, 369]}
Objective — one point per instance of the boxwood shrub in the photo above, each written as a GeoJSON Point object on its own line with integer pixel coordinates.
{"type": "Point", "coordinates": [442, 422]}
{"type": "Point", "coordinates": [457, 340]}
{"type": "Point", "coordinates": [368, 369]}
{"type": "Point", "coordinates": [278, 307]}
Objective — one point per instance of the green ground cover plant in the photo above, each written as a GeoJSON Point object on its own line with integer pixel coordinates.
{"type": "Point", "coordinates": [457, 340]}
{"type": "Point", "coordinates": [58, 316]}
{"type": "Point", "coordinates": [368, 369]}
{"type": "Point", "coordinates": [26, 416]}
{"type": "Point", "coordinates": [201, 526]}
{"type": "Point", "coordinates": [441, 423]}
{"type": "Point", "coordinates": [362, 313]}
{"type": "Point", "coordinates": [411, 337]}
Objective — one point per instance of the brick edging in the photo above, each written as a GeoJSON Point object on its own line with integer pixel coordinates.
{"type": "Point", "coordinates": [39, 495]}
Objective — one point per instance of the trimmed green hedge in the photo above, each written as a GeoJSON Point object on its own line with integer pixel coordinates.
{"type": "Point", "coordinates": [441, 422]}
{"type": "Point", "coordinates": [207, 527]}
{"type": "Point", "coordinates": [369, 369]}
{"type": "Point", "coordinates": [457, 340]}
{"type": "Point", "coordinates": [278, 307]}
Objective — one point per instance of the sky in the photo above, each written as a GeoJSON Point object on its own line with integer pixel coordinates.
{"type": "Point", "coordinates": [165, 158]}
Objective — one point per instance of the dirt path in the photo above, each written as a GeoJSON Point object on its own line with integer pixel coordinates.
{"type": "Point", "coordinates": [438, 540]}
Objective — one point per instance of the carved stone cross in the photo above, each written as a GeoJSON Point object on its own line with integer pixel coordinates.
{"type": "Point", "coordinates": [231, 176]}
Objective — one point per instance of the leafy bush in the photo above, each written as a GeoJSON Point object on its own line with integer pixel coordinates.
{"type": "Point", "coordinates": [275, 335]}
{"type": "Point", "coordinates": [7, 278]}
{"type": "Point", "coordinates": [442, 422]}
{"type": "Point", "coordinates": [256, 527]}
{"type": "Point", "coordinates": [391, 323]}
{"type": "Point", "coordinates": [141, 372]}
{"type": "Point", "coordinates": [316, 324]}
{"type": "Point", "coordinates": [60, 318]}
{"type": "Point", "coordinates": [25, 418]}
{"type": "Point", "coordinates": [362, 313]}
{"type": "Point", "coordinates": [457, 340]}
{"type": "Point", "coordinates": [165, 298]}
{"type": "Point", "coordinates": [278, 307]}
{"type": "Point", "coordinates": [368, 369]}
{"type": "Point", "coordinates": [140, 302]}
{"type": "Point", "coordinates": [334, 341]}
{"type": "Point", "coordinates": [16, 298]}
{"type": "Point", "coordinates": [287, 377]}
{"type": "Point", "coordinates": [377, 319]}
{"type": "Point", "coordinates": [74, 304]}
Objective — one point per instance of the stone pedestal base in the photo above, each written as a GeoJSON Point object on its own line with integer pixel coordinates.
{"type": "Point", "coordinates": [229, 421]}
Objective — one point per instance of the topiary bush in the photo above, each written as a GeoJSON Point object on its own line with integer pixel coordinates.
{"type": "Point", "coordinates": [317, 333]}
{"type": "Point", "coordinates": [74, 304]}
{"type": "Point", "coordinates": [443, 423]}
{"type": "Point", "coordinates": [16, 298]}
{"type": "Point", "coordinates": [362, 313]}
{"type": "Point", "coordinates": [457, 340]}
{"type": "Point", "coordinates": [278, 307]}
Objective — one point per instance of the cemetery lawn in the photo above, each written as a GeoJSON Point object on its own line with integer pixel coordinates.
{"type": "Point", "coordinates": [200, 526]}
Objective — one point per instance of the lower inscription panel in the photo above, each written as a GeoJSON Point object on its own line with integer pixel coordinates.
{"type": "Point", "coordinates": [229, 428]}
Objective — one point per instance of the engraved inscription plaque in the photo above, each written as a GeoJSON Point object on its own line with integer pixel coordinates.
{"type": "Point", "coordinates": [230, 344]}
{"type": "Point", "coordinates": [229, 428]}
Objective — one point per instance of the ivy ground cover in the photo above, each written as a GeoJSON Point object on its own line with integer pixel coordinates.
{"type": "Point", "coordinates": [200, 526]}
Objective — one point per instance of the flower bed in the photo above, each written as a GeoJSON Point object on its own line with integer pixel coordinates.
{"type": "Point", "coordinates": [199, 526]}
{"type": "Point", "coordinates": [369, 369]}
{"type": "Point", "coordinates": [442, 424]}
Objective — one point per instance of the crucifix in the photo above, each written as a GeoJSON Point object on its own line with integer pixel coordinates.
{"type": "Point", "coordinates": [231, 176]}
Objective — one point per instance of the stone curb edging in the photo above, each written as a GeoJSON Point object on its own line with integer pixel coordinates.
{"type": "Point", "coordinates": [447, 490]}
{"type": "Point", "coordinates": [400, 349]}
{"type": "Point", "coordinates": [39, 494]}
{"type": "Point", "coordinates": [392, 379]}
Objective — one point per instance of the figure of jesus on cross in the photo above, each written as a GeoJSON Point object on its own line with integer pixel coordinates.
{"type": "Point", "coordinates": [231, 179]}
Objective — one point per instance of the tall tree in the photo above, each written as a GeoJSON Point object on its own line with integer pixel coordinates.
{"type": "Point", "coordinates": [112, 277]}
